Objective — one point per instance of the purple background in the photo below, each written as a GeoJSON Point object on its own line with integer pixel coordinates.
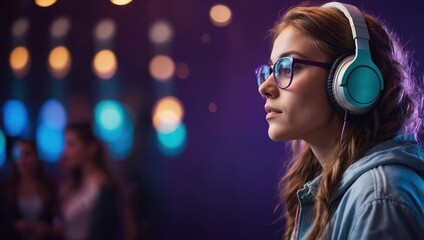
{"type": "Point", "coordinates": [224, 186]}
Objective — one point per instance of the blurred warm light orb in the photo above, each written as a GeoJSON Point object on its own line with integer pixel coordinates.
{"type": "Point", "coordinates": [161, 32]}
{"type": "Point", "coordinates": [20, 61]}
{"type": "Point", "coordinates": [105, 30]}
{"type": "Point", "coordinates": [20, 27]}
{"type": "Point", "coordinates": [162, 67]}
{"type": "Point", "coordinates": [45, 3]}
{"type": "Point", "coordinates": [168, 113]}
{"type": "Point", "coordinates": [59, 62]}
{"type": "Point", "coordinates": [182, 71]}
{"type": "Point", "coordinates": [60, 27]}
{"type": "Point", "coordinates": [205, 38]}
{"type": "Point", "coordinates": [220, 15]}
{"type": "Point", "coordinates": [120, 2]}
{"type": "Point", "coordinates": [105, 64]}
{"type": "Point", "coordinates": [212, 107]}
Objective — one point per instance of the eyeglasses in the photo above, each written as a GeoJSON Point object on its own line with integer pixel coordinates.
{"type": "Point", "coordinates": [283, 70]}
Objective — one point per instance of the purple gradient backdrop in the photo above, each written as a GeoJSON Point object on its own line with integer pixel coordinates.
{"type": "Point", "coordinates": [224, 185]}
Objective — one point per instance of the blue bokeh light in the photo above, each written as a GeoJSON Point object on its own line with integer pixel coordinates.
{"type": "Point", "coordinates": [50, 143]}
{"type": "Point", "coordinates": [173, 144]}
{"type": "Point", "coordinates": [53, 115]}
{"type": "Point", "coordinates": [15, 118]}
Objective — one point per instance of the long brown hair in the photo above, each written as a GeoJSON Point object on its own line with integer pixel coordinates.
{"type": "Point", "coordinates": [84, 132]}
{"type": "Point", "coordinates": [45, 183]}
{"type": "Point", "coordinates": [395, 113]}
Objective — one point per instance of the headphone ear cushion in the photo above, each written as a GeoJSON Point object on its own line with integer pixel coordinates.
{"type": "Point", "coordinates": [330, 80]}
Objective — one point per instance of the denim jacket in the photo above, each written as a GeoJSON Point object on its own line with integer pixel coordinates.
{"type": "Point", "coordinates": [381, 196]}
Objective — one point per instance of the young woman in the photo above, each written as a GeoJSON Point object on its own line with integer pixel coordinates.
{"type": "Point", "coordinates": [28, 198]}
{"type": "Point", "coordinates": [93, 205]}
{"type": "Point", "coordinates": [340, 87]}
{"type": "Point", "coordinates": [90, 194]}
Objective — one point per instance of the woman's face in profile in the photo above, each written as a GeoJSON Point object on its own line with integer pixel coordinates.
{"type": "Point", "coordinates": [75, 152]}
{"type": "Point", "coordinates": [28, 159]}
{"type": "Point", "coordinates": [301, 111]}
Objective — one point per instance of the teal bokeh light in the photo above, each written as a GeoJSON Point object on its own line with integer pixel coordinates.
{"type": "Point", "coordinates": [2, 148]}
{"type": "Point", "coordinates": [15, 118]}
{"type": "Point", "coordinates": [115, 126]}
{"type": "Point", "coordinates": [109, 120]}
{"type": "Point", "coordinates": [173, 144]}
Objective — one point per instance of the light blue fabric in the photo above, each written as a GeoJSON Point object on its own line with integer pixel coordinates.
{"type": "Point", "coordinates": [381, 196]}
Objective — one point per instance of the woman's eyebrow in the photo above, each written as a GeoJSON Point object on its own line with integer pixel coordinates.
{"type": "Point", "coordinates": [288, 53]}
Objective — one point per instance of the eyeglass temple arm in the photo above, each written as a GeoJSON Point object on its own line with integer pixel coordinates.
{"type": "Point", "coordinates": [313, 63]}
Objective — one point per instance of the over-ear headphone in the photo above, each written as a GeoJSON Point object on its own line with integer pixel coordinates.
{"type": "Point", "coordinates": [355, 83]}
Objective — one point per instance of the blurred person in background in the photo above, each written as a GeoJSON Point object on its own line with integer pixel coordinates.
{"type": "Point", "coordinates": [27, 199]}
{"type": "Point", "coordinates": [91, 196]}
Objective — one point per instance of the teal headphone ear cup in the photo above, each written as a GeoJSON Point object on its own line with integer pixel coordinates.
{"type": "Point", "coordinates": [330, 81]}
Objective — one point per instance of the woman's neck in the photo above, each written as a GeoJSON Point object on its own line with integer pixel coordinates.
{"type": "Point", "coordinates": [91, 174]}
{"type": "Point", "coordinates": [323, 140]}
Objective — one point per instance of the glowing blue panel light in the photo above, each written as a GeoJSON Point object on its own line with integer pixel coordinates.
{"type": "Point", "coordinates": [15, 118]}
{"type": "Point", "coordinates": [50, 143]}
{"type": "Point", "coordinates": [2, 148]}
{"type": "Point", "coordinates": [173, 144]}
{"type": "Point", "coordinates": [53, 115]}
{"type": "Point", "coordinates": [109, 118]}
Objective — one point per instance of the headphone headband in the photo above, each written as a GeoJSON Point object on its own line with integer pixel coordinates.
{"type": "Point", "coordinates": [357, 23]}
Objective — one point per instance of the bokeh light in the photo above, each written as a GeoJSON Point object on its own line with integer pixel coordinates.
{"type": "Point", "coordinates": [20, 61]}
{"type": "Point", "coordinates": [53, 115]}
{"type": "Point", "coordinates": [59, 62]}
{"type": "Point", "coordinates": [220, 15]}
{"type": "Point", "coordinates": [173, 143]}
{"type": "Point", "coordinates": [105, 64]}
{"type": "Point", "coordinates": [45, 3]}
{"type": "Point", "coordinates": [182, 71]}
{"type": "Point", "coordinates": [50, 131]}
{"type": "Point", "coordinates": [50, 143]}
{"type": "Point", "coordinates": [2, 148]}
{"type": "Point", "coordinates": [114, 125]}
{"type": "Point", "coordinates": [109, 119]}
{"type": "Point", "coordinates": [120, 2]}
{"type": "Point", "coordinates": [212, 107]}
{"type": "Point", "coordinates": [15, 118]}
{"type": "Point", "coordinates": [205, 38]}
{"type": "Point", "coordinates": [122, 146]}
{"type": "Point", "coordinates": [168, 113]}
{"type": "Point", "coordinates": [105, 30]}
{"type": "Point", "coordinates": [60, 27]}
{"type": "Point", "coordinates": [161, 32]}
{"type": "Point", "coordinates": [161, 68]}
{"type": "Point", "coordinates": [20, 27]}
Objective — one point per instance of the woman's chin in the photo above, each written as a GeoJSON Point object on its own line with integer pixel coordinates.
{"type": "Point", "coordinates": [277, 136]}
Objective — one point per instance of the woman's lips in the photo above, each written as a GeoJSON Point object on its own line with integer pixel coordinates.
{"type": "Point", "coordinates": [271, 112]}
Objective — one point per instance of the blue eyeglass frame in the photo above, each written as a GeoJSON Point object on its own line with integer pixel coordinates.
{"type": "Point", "coordinates": [293, 61]}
